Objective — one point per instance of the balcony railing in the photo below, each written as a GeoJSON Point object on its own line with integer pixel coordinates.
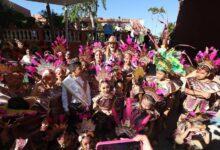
{"type": "Point", "coordinates": [44, 35]}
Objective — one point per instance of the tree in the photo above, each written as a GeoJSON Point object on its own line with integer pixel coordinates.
{"type": "Point", "coordinates": [56, 18]}
{"type": "Point", "coordinates": [86, 9]}
{"type": "Point", "coordinates": [171, 27]}
{"type": "Point", "coordinates": [157, 11]}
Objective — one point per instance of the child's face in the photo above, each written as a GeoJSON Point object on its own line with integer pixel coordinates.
{"type": "Point", "coordinates": [86, 143]}
{"type": "Point", "coordinates": [78, 71]}
{"type": "Point", "coordinates": [127, 59]}
{"type": "Point", "coordinates": [146, 104]}
{"type": "Point", "coordinates": [160, 75]}
{"type": "Point", "coordinates": [104, 88]}
{"type": "Point", "coordinates": [58, 73]}
{"type": "Point", "coordinates": [98, 56]}
{"type": "Point", "coordinates": [201, 73]}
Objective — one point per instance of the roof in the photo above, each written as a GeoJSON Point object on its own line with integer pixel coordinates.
{"type": "Point", "coordinates": [60, 2]}
{"type": "Point", "coordinates": [18, 8]}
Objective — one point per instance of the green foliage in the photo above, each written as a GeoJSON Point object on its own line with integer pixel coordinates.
{"type": "Point", "coordinates": [82, 10]}
{"type": "Point", "coordinates": [171, 27]}
{"type": "Point", "coordinates": [56, 19]}
{"type": "Point", "coordinates": [156, 10]}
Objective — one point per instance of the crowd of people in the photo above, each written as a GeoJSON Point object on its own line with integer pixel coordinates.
{"type": "Point", "coordinates": [112, 90]}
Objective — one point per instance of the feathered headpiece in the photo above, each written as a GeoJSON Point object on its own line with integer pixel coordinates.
{"type": "Point", "coordinates": [104, 75]}
{"type": "Point", "coordinates": [86, 126]}
{"type": "Point", "coordinates": [85, 53]}
{"type": "Point", "coordinates": [97, 46]}
{"type": "Point", "coordinates": [208, 58]}
{"type": "Point", "coordinates": [59, 45]}
{"type": "Point", "coordinates": [168, 60]}
{"type": "Point", "coordinates": [151, 88]}
{"type": "Point", "coordinates": [129, 46]}
{"type": "Point", "coordinates": [44, 67]}
{"type": "Point", "coordinates": [128, 125]}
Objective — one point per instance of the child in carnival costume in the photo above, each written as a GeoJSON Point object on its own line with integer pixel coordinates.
{"type": "Point", "coordinates": [130, 51]}
{"type": "Point", "coordinates": [167, 63]}
{"type": "Point", "coordinates": [47, 92]}
{"type": "Point", "coordinates": [198, 86]}
{"type": "Point", "coordinates": [86, 134]}
{"type": "Point", "coordinates": [138, 117]}
{"type": "Point", "coordinates": [103, 104]}
{"type": "Point", "coordinates": [59, 48]}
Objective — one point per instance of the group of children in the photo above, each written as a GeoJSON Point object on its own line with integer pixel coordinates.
{"type": "Point", "coordinates": [110, 91]}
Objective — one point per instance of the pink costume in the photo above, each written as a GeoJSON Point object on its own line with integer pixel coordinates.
{"type": "Point", "coordinates": [197, 104]}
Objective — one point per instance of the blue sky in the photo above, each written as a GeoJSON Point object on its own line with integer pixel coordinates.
{"type": "Point", "coordinates": [123, 8]}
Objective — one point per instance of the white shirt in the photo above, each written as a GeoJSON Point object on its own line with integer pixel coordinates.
{"type": "Point", "coordinates": [26, 59]}
{"type": "Point", "coordinates": [75, 87]}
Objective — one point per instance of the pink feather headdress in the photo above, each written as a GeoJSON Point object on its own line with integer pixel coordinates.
{"type": "Point", "coordinates": [85, 53]}
{"type": "Point", "coordinates": [40, 64]}
{"type": "Point", "coordinates": [151, 88]}
{"type": "Point", "coordinates": [128, 125]}
{"type": "Point", "coordinates": [59, 45]}
{"type": "Point", "coordinates": [129, 46]}
{"type": "Point", "coordinates": [97, 46]}
{"type": "Point", "coordinates": [208, 58]}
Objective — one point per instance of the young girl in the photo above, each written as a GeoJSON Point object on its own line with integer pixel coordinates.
{"type": "Point", "coordinates": [127, 67]}
{"type": "Point", "coordinates": [102, 105]}
{"type": "Point", "coordinates": [86, 141]}
{"type": "Point", "coordinates": [60, 75]}
{"type": "Point", "coordinates": [192, 134]}
{"type": "Point", "coordinates": [104, 101]}
{"type": "Point", "coordinates": [137, 116]}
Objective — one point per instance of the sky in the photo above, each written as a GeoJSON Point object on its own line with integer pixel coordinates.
{"type": "Point", "coordinates": [123, 8]}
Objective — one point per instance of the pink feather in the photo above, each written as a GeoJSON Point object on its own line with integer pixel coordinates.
{"type": "Point", "coordinates": [129, 40]}
{"type": "Point", "coordinates": [128, 108]}
{"type": "Point", "coordinates": [213, 55]}
{"type": "Point", "coordinates": [80, 49]}
{"type": "Point", "coordinates": [34, 62]}
{"type": "Point", "coordinates": [123, 47]}
{"type": "Point", "coordinates": [31, 69]}
{"type": "Point", "coordinates": [136, 46]}
{"type": "Point", "coordinates": [217, 62]}
{"type": "Point", "coordinates": [151, 54]}
{"type": "Point", "coordinates": [97, 45]}
{"type": "Point", "coordinates": [143, 123]}
{"type": "Point", "coordinates": [160, 92]}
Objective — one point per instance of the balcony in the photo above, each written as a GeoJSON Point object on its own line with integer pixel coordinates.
{"type": "Point", "coordinates": [44, 35]}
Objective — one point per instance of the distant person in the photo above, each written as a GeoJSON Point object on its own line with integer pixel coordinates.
{"type": "Point", "coordinates": [26, 59]}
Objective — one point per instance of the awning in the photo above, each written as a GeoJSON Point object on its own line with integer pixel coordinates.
{"type": "Point", "coordinates": [60, 2]}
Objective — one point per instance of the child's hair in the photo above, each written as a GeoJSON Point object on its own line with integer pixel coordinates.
{"type": "Point", "coordinates": [117, 82]}
{"type": "Point", "coordinates": [82, 136]}
{"type": "Point", "coordinates": [73, 65]}
{"type": "Point", "coordinates": [149, 98]}
{"type": "Point", "coordinates": [103, 81]}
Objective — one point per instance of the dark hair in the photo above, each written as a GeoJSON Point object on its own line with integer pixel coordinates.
{"type": "Point", "coordinates": [17, 103]}
{"type": "Point", "coordinates": [73, 65]}
{"type": "Point", "coordinates": [149, 98]}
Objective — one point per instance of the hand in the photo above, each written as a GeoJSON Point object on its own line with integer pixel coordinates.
{"type": "Point", "coordinates": [144, 140]}
{"type": "Point", "coordinates": [205, 95]}
{"type": "Point", "coordinates": [166, 112]}
{"type": "Point", "coordinates": [131, 94]}
{"type": "Point", "coordinates": [193, 129]}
